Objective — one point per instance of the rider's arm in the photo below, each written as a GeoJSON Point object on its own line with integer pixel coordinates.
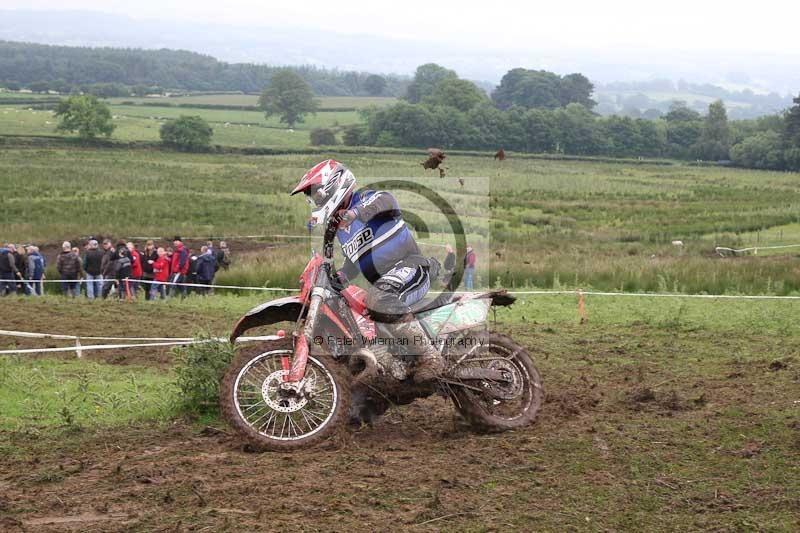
{"type": "Point", "coordinates": [350, 270]}
{"type": "Point", "coordinates": [377, 203]}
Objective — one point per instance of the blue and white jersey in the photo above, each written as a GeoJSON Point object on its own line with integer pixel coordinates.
{"type": "Point", "coordinates": [378, 238]}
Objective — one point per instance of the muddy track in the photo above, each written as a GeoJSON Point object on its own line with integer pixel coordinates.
{"type": "Point", "coordinates": [417, 464]}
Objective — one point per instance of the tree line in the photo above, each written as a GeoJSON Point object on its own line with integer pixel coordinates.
{"type": "Point", "coordinates": [530, 111]}
{"type": "Point", "coordinates": [538, 111]}
{"type": "Point", "coordinates": [107, 72]}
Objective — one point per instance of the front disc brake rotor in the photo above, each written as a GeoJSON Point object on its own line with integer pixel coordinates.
{"type": "Point", "coordinates": [279, 399]}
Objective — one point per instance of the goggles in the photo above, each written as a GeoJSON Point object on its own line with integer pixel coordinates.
{"type": "Point", "coordinates": [315, 196]}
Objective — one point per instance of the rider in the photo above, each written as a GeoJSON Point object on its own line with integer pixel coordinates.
{"type": "Point", "coordinates": [376, 243]}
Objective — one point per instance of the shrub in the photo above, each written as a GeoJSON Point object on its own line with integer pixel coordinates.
{"type": "Point", "coordinates": [190, 133]}
{"type": "Point", "coordinates": [323, 137]}
{"type": "Point", "coordinates": [386, 138]}
{"type": "Point", "coordinates": [355, 135]}
{"type": "Point", "coordinates": [762, 150]}
{"type": "Point", "coordinates": [199, 370]}
{"type": "Point", "coordinates": [792, 158]}
{"type": "Point", "coordinates": [86, 115]}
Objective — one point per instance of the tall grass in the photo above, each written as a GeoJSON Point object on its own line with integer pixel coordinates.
{"type": "Point", "coordinates": [547, 223]}
{"type": "Point", "coordinates": [275, 267]}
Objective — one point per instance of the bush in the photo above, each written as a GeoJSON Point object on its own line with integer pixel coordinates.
{"type": "Point", "coordinates": [86, 115]}
{"type": "Point", "coordinates": [187, 133]}
{"type": "Point", "coordinates": [323, 137]}
{"type": "Point", "coordinates": [762, 150]}
{"type": "Point", "coordinates": [386, 138]}
{"type": "Point", "coordinates": [792, 158]}
{"type": "Point", "coordinates": [355, 135]}
{"type": "Point", "coordinates": [199, 370]}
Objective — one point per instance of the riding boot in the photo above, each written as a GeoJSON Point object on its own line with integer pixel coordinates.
{"type": "Point", "coordinates": [429, 364]}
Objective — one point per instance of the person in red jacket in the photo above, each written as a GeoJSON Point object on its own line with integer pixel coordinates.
{"type": "Point", "coordinates": [136, 268]}
{"type": "Point", "coordinates": [180, 266]}
{"type": "Point", "coordinates": [160, 275]}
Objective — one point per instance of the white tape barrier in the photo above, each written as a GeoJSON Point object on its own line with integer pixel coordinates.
{"type": "Point", "coordinates": [214, 238]}
{"type": "Point", "coordinates": [11, 333]}
{"type": "Point", "coordinates": [165, 283]}
{"type": "Point", "coordinates": [80, 348]}
{"type": "Point", "coordinates": [237, 287]}
{"type": "Point", "coordinates": [718, 249]}
{"type": "Point", "coordinates": [532, 292]}
{"type": "Point", "coordinates": [661, 295]}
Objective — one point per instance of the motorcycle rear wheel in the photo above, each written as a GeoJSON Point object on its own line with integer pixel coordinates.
{"type": "Point", "coordinates": [483, 409]}
{"type": "Point", "coordinates": [270, 418]}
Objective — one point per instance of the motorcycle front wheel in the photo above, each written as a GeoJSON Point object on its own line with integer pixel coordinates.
{"type": "Point", "coordinates": [271, 416]}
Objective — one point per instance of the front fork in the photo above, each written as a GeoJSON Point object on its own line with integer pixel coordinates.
{"type": "Point", "coordinates": [297, 365]}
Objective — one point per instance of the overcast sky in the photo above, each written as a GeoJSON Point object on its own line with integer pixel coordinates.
{"type": "Point", "coordinates": [765, 26]}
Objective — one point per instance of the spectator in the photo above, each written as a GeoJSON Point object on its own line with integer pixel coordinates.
{"type": "Point", "coordinates": [123, 270]}
{"type": "Point", "coordinates": [93, 269]}
{"type": "Point", "coordinates": [206, 268]}
{"type": "Point", "coordinates": [8, 270]}
{"type": "Point", "coordinates": [36, 266]}
{"type": "Point", "coordinates": [160, 274]}
{"type": "Point", "coordinates": [136, 268]}
{"type": "Point", "coordinates": [69, 268]}
{"type": "Point", "coordinates": [107, 267]}
{"type": "Point", "coordinates": [469, 268]}
{"type": "Point", "coordinates": [21, 262]}
{"type": "Point", "coordinates": [149, 256]}
{"type": "Point", "coordinates": [223, 256]}
{"type": "Point", "coordinates": [179, 266]}
{"type": "Point", "coordinates": [449, 264]}
{"type": "Point", "coordinates": [77, 252]}
{"type": "Point", "coordinates": [191, 277]}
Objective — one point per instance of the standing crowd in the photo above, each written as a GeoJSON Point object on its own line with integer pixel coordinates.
{"type": "Point", "coordinates": [124, 270]}
{"type": "Point", "coordinates": [120, 269]}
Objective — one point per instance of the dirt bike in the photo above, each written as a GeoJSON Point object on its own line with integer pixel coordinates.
{"type": "Point", "coordinates": [338, 364]}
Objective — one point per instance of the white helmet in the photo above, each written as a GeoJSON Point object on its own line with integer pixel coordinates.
{"type": "Point", "coordinates": [326, 187]}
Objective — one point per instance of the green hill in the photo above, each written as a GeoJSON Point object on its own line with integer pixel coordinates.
{"type": "Point", "coordinates": [61, 68]}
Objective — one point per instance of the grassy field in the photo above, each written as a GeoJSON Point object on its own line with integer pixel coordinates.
{"type": "Point", "coordinates": [214, 116]}
{"type": "Point", "coordinates": [231, 127]}
{"type": "Point", "coordinates": [5, 95]}
{"type": "Point", "coordinates": [326, 102]}
{"type": "Point", "coordinates": [554, 224]}
{"type": "Point", "coordinates": [142, 123]}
